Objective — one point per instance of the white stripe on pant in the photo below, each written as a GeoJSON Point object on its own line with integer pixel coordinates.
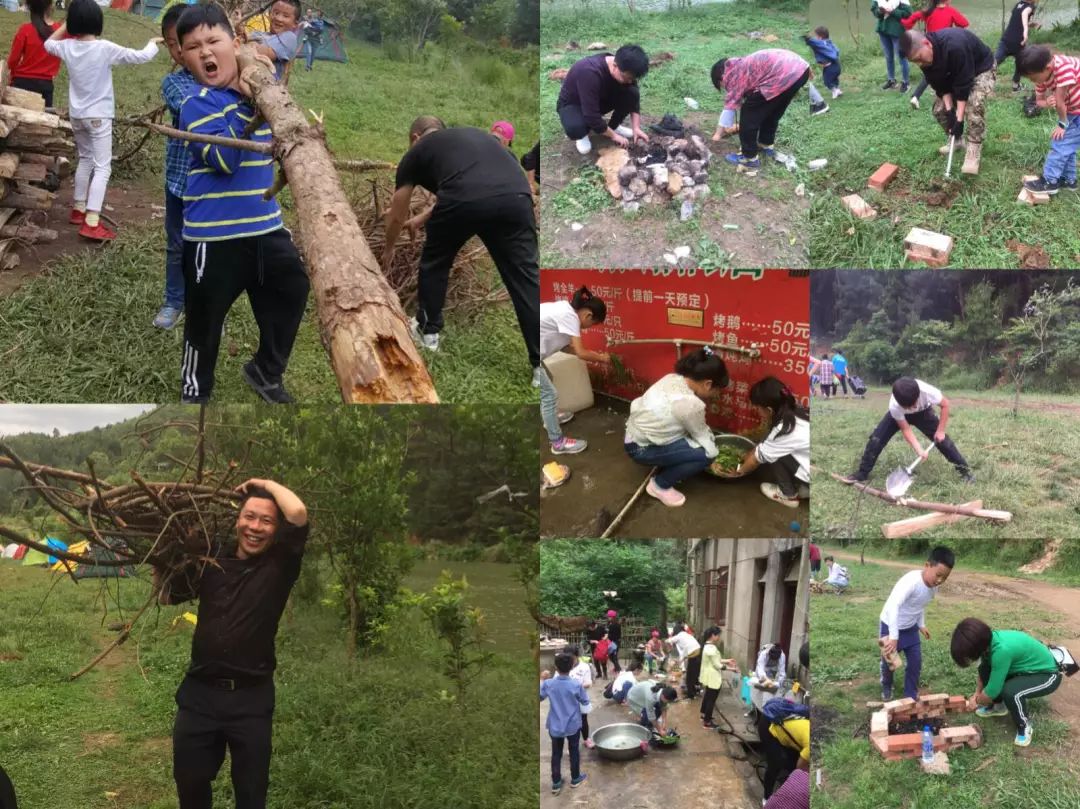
{"type": "Point", "coordinates": [187, 371]}
{"type": "Point", "coordinates": [1026, 692]}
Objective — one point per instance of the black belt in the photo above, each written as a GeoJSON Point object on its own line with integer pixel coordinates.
{"type": "Point", "coordinates": [232, 683]}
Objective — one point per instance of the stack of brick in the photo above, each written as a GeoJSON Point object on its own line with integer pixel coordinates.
{"type": "Point", "coordinates": [899, 746]}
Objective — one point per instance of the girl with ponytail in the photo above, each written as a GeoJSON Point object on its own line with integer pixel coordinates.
{"type": "Point", "coordinates": [786, 450]}
{"type": "Point", "coordinates": [561, 323]}
{"type": "Point", "coordinates": [31, 67]}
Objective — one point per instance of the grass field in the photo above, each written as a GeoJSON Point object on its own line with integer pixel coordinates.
{"type": "Point", "coordinates": [81, 332]}
{"type": "Point", "coordinates": [868, 126]}
{"type": "Point", "coordinates": [745, 222]}
{"type": "Point", "coordinates": [1028, 466]}
{"type": "Point", "coordinates": [845, 677]}
{"type": "Point", "coordinates": [363, 734]}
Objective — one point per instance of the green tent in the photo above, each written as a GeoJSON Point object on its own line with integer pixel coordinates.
{"type": "Point", "coordinates": [35, 557]}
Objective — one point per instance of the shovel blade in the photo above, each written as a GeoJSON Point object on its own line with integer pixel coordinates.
{"type": "Point", "coordinates": [898, 482]}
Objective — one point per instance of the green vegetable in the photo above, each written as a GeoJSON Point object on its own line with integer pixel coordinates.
{"type": "Point", "coordinates": [620, 374]}
{"type": "Point", "coordinates": [728, 458]}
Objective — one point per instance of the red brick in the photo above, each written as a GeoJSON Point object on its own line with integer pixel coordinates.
{"type": "Point", "coordinates": [917, 259]}
{"type": "Point", "coordinates": [883, 176]}
{"type": "Point", "coordinates": [880, 743]}
{"type": "Point", "coordinates": [858, 206]}
{"type": "Point", "coordinates": [928, 245]}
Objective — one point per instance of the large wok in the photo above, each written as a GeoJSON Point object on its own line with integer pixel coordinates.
{"type": "Point", "coordinates": [621, 741]}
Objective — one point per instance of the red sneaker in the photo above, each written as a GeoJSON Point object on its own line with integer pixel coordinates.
{"type": "Point", "coordinates": [77, 217]}
{"type": "Point", "coordinates": [100, 233]}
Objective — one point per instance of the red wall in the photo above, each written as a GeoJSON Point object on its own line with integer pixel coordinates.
{"type": "Point", "coordinates": [769, 308]}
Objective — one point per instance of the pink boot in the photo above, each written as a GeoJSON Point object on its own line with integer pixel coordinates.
{"type": "Point", "coordinates": [669, 497]}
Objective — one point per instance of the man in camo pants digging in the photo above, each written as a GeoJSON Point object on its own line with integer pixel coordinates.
{"type": "Point", "coordinates": [960, 68]}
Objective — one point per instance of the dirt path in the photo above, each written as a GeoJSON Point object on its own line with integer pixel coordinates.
{"type": "Point", "coordinates": [1061, 600]}
{"type": "Point", "coordinates": [124, 204]}
{"type": "Point", "coordinates": [1002, 404]}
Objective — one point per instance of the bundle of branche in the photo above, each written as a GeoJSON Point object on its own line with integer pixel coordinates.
{"type": "Point", "coordinates": [172, 525]}
{"type": "Point", "coordinates": [471, 284]}
{"type": "Point", "coordinates": [31, 140]}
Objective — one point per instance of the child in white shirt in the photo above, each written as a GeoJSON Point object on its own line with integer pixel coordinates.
{"type": "Point", "coordinates": [581, 673]}
{"type": "Point", "coordinates": [92, 105]}
{"type": "Point", "coordinates": [561, 323]}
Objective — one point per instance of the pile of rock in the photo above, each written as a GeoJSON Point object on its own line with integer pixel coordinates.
{"type": "Point", "coordinates": [666, 168]}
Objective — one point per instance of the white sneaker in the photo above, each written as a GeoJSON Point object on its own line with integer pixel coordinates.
{"type": "Point", "coordinates": [625, 131]}
{"type": "Point", "coordinates": [428, 341]}
{"type": "Point", "coordinates": [565, 416]}
{"type": "Point", "coordinates": [837, 92]}
{"type": "Point", "coordinates": [584, 145]}
{"type": "Point", "coordinates": [914, 101]}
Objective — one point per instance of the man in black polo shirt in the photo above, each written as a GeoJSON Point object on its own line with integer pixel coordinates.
{"type": "Point", "coordinates": [597, 85]}
{"type": "Point", "coordinates": [227, 697]}
{"type": "Point", "coordinates": [480, 191]}
{"type": "Point", "coordinates": [960, 68]}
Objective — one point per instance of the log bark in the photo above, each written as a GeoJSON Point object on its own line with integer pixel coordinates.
{"type": "Point", "coordinates": [27, 99]}
{"type": "Point", "coordinates": [28, 233]}
{"type": "Point", "coordinates": [26, 202]}
{"type": "Point", "coordinates": [9, 162]}
{"type": "Point", "coordinates": [362, 324]}
{"type": "Point", "coordinates": [20, 115]}
{"type": "Point", "coordinates": [30, 172]}
{"type": "Point", "coordinates": [37, 139]}
{"type": "Point", "coordinates": [922, 505]}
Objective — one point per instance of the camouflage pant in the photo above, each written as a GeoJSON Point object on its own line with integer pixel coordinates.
{"type": "Point", "coordinates": [974, 112]}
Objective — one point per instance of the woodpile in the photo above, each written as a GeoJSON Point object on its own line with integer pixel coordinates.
{"type": "Point", "coordinates": [31, 141]}
{"type": "Point", "coordinates": [666, 168]}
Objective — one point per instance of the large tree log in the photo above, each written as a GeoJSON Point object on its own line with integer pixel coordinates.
{"type": "Point", "coordinates": [37, 139]}
{"type": "Point", "coordinates": [30, 172]}
{"type": "Point", "coordinates": [922, 505]}
{"type": "Point", "coordinates": [21, 115]}
{"type": "Point", "coordinates": [26, 202]}
{"type": "Point", "coordinates": [361, 320]}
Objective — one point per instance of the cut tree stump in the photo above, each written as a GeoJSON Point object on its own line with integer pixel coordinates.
{"type": "Point", "coordinates": [361, 320]}
{"type": "Point", "coordinates": [913, 525]}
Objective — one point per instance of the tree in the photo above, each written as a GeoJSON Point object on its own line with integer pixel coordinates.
{"type": "Point", "coordinates": [413, 22]}
{"type": "Point", "coordinates": [979, 327]}
{"type": "Point", "coordinates": [1047, 326]}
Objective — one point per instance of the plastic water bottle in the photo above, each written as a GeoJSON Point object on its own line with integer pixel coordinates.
{"type": "Point", "coordinates": [927, 745]}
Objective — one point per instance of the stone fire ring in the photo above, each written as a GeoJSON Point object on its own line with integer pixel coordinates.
{"type": "Point", "coordinates": [899, 746]}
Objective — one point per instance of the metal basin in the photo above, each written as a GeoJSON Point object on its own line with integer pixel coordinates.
{"type": "Point", "coordinates": [739, 442]}
{"type": "Point", "coordinates": [621, 741]}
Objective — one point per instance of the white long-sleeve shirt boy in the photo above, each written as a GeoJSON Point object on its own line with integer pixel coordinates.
{"type": "Point", "coordinates": [685, 644]}
{"type": "Point", "coordinates": [906, 605]}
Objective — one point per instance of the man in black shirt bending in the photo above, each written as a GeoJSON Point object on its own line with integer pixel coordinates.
{"type": "Point", "coordinates": [227, 697]}
{"type": "Point", "coordinates": [480, 191]}
{"type": "Point", "coordinates": [960, 68]}
{"type": "Point", "coordinates": [597, 85]}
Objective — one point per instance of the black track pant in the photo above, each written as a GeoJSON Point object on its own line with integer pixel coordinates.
{"type": "Point", "coordinates": [709, 703]}
{"type": "Point", "coordinates": [760, 117]}
{"type": "Point", "coordinates": [1019, 688]}
{"type": "Point", "coordinates": [269, 269]}
{"type": "Point", "coordinates": [693, 672]}
{"type": "Point", "coordinates": [1004, 51]}
{"type": "Point", "coordinates": [926, 422]}
{"type": "Point", "coordinates": [208, 721]}
{"type": "Point", "coordinates": [779, 760]}
{"type": "Point", "coordinates": [784, 471]}
{"type": "Point", "coordinates": [627, 101]}
{"type": "Point", "coordinates": [506, 225]}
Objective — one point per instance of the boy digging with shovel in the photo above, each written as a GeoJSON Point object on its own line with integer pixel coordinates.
{"type": "Point", "coordinates": [912, 404]}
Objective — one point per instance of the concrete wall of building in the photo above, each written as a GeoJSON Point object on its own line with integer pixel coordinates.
{"type": "Point", "coordinates": [751, 603]}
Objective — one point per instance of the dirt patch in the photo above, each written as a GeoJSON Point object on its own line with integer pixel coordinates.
{"type": "Point", "coordinates": [9, 656]}
{"type": "Point", "coordinates": [156, 746]}
{"type": "Point", "coordinates": [941, 196]}
{"type": "Point", "coordinates": [823, 724]}
{"type": "Point", "coordinates": [1045, 561]}
{"type": "Point", "coordinates": [1031, 257]}
{"type": "Point", "coordinates": [94, 743]}
{"type": "Point", "coordinates": [125, 205]}
{"type": "Point", "coordinates": [746, 222]}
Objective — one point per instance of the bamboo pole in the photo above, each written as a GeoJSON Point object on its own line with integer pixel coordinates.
{"type": "Point", "coordinates": [633, 499]}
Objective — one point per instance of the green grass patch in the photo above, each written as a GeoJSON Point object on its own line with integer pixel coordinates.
{"type": "Point", "coordinates": [845, 676]}
{"type": "Point", "coordinates": [868, 126]}
{"type": "Point", "coordinates": [82, 331]}
{"type": "Point", "coordinates": [348, 734]}
{"type": "Point", "coordinates": [1024, 465]}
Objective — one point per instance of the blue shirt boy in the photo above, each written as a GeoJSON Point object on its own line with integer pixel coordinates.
{"type": "Point", "coordinates": [566, 698]}
{"type": "Point", "coordinates": [175, 88]}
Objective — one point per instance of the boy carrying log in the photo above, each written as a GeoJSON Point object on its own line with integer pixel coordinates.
{"type": "Point", "coordinates": [912, 404]}
{"type": "Point", "coordinates": [903, 619]}
{"type": "Point", "coordinates": [234, 240]}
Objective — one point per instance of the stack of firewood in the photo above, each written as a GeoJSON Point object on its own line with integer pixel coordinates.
{"type": "Point", "coordinates": [33, 143]}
